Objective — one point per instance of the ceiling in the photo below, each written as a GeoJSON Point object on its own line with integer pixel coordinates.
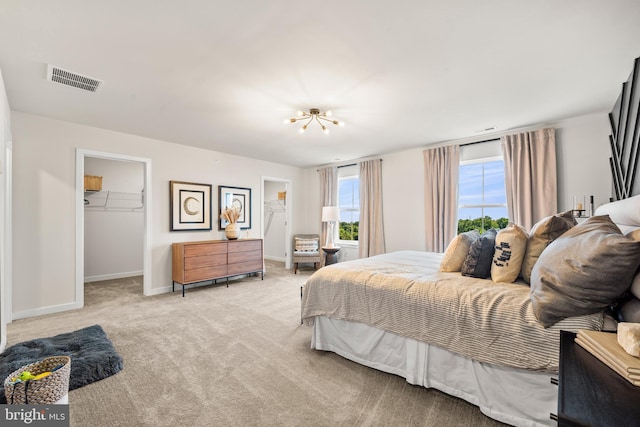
{"type": "Point", "coordinates": [400, 73]}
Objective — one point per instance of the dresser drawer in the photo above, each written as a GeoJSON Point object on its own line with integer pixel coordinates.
{"type": "Point", "coordinates": [244, 245]}
{"type": "Point", "coordinates": [205, 273]}
{"type": "Point", "coordinates": [205, 249]}
{"type": "Point", "coordinates": [237, 257]}
{"type": "Point", "coordinates": [244, 267]}
{"type": "Point", "coordinates": [205, 261]}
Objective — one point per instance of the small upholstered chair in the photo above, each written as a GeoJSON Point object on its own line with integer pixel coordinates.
{"type": "Point", "coordinates": [306, 248]}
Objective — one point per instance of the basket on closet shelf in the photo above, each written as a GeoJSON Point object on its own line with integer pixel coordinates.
{"type": "Point", "coordinates": [47, 390]}
{"type": "Point", "coordinates": [92, 183]}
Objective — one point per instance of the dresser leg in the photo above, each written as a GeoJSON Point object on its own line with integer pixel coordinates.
{"type": "Point", "coordinates": [182, 291]}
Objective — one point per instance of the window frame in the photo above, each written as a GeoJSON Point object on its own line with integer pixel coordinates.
{"type": "Point", "coordinates": [482, 206]}
{"type": "Point", "coordinates": [348, 172]}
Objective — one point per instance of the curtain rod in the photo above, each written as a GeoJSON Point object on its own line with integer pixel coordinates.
{"type": "Point", "coordinates": [479, 142]}
{"type": "Point", "coordinates": [344, 166]}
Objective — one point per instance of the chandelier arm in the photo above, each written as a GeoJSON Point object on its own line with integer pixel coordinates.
{"type": "Point", "coordinates": [310, 120]}
{"type": "Point", "coordinates": [328, 120]}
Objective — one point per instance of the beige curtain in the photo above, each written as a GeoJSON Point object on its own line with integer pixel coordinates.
{"type": "Point", "coordinates": [441, 196]}
{"type": "Point", "coordinates": [530, 176]}
{"type": "Point", "coordinates": [328, 197]}
{"type": "Point", "coordinates": [370, 228]}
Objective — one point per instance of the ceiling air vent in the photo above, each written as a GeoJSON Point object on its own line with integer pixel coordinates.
{"type": "Point", "coordinates": [65, 77]}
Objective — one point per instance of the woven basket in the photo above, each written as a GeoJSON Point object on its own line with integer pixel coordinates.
{"type": "Point", "coordinates": [44, 391]}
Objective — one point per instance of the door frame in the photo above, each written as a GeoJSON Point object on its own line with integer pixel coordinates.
{"type": "Point", "coordinates": [81, 154]}
{"type": "Point", "coordinates": [288, 216]}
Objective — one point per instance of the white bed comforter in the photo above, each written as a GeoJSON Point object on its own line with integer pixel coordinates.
{"type": "Point", "coordinates": [404, 293]}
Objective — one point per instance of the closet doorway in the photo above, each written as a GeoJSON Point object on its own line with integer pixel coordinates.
{"type": "Point", "coordinates": [276, 219]}
{"type": "Point", "coordinates": [106, 216]}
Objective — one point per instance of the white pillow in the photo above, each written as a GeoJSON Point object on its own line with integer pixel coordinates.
{"type": "Point", "coordinates": [511, 245]}
{"type": "Point", "coordinates": [625, 212]}
{"type": "Point", "coordinates": [457, 251]}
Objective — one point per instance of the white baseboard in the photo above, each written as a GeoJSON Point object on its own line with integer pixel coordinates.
{"type": "Point", "coordinates": [42, 311]}
{"type": "Point", "coordinates": [113, 276]}
{"type": "Point", "coordinates": [275, 258]}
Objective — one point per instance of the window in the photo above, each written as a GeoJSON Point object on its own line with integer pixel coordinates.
{"type": "Point", "coordinates": [482, 199]}
{"type": "Point", "coordinates": [349, 204]}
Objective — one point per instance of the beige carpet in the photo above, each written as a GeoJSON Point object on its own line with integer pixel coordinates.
{"type": "Point", "coordinates": [234, 356]}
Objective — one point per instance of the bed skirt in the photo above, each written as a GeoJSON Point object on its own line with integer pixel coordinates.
{"type": "Point", "coordinates": [509, 395]}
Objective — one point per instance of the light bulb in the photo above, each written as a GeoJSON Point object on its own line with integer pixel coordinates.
{"type": "Point", "coordinates": [328, 113]}
{"type": "Point", "coordinates": [325, 130]}
{"type": "Point", "coordinates": [340, 123]}
{"type": "Point", "coordinates": [300, 113]}
{"type": "Point", "coordinates": [303, 128]}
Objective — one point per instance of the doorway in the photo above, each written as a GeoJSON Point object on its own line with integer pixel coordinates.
{"type": "Point", "coordinates": [145, 203]}
{"type": "Point", "coordinates": [276, 219]}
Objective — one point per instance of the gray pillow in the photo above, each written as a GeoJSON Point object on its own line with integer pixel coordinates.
{"type": "Point", "coordinates": [583, 271]}
{"type": "Point", "coordinates": [541, 235]}
{"type": "Point", "coordinates": [477, 263]}
{"type": "Point", "coordinates": [630, 310]}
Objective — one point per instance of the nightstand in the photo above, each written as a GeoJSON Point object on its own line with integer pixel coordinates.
{"type": "Point", "coordinates": [591, 393]}
{"type": "Point", "coordinates": [331, 256]}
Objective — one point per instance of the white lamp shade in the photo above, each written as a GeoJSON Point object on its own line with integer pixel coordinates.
{"type": "Point", "coordinates": [330, 213]}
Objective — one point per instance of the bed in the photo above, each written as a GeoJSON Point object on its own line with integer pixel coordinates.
{"type": "Point", "coordinates": [473, 338]}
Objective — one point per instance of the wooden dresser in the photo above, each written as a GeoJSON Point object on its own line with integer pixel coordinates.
{"type": "Point", "coordinates": [215, 259]}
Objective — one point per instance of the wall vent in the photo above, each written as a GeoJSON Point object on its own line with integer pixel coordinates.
{"type": "Point", "coordinates": [69, 78]}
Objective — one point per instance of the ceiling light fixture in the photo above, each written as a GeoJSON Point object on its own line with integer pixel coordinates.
{"type": "Point", "coordinates": [314, 114]}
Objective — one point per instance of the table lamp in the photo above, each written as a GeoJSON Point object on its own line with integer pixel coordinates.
{"type": "Point", "coordinates": [330, 214]}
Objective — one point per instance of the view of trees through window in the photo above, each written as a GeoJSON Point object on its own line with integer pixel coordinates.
{"type": "Point", "coordinates": [482, 199]}
{"type": "Point", "coordinates": [349, 204]}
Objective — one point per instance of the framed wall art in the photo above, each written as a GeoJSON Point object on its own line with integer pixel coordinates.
{"type": "Point", "coordinates": [238, 198]}
{"type": "Point", "coordinates": [190, 208]}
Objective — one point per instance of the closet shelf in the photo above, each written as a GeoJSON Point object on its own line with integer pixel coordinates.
{"type": "Point", "coordinates": [275, 205]}
{"type": "Point", "coordinates": [113, 200]}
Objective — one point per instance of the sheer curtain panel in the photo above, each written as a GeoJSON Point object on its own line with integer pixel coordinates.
{"type": "Point", "coordinates": [530, 176]}
{"type": "Point", "coordinates": [370, 228]}
{"type": "Point", "coordinates": [441, 196]}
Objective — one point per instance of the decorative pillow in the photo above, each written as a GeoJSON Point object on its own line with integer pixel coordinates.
{"type": "Point", "coordinates": [306, 245]}
{"type": "Point", "coordinates": [583, 271]}
{"type": "Point", "coordinates": [630, 310]}
{"type": "Point", "coordinates": [635, 284]}
{"type": "Point", "coordinates": [511, 245]}
{"type": "Point", "coordinates": [624, 213]}
{"type": "Point", "coordinates": [541, 235]}
{"type": "Point", "coordinates": [457, 250]}
{"type": "Point", "coordinates": [477, 263]}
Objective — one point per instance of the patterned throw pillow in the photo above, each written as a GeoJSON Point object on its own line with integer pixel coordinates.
{"type": "Point", "coordinates": [480, 255]}
{"type": "Point", "coordinates": [306, 245]}
{"type": "Point", "coordinates": [511, 245]}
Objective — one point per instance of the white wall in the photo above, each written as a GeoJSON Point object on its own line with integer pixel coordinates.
{"type": "Point", "coordinates": [5, 214]}
{"type": "Point", "coordinates": [274, 221]}
{"type": "Point", "coordinates": [113, 234]}
{"type": "Point", "coordinates": [583, 169]}
{"type": "Point", "coordinates": [44, 195]}
{"type": "Point", "coordinates": [44, 202]}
